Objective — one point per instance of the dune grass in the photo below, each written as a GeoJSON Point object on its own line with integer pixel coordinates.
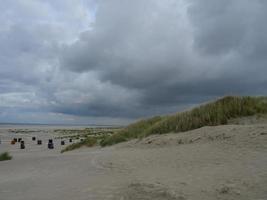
{"type": "Point", "coordinates": [131, 131]}
{"type": "Point", "coordinates": [210, 114]}
{"type": "Point", "coordinates": [5, 156]}
{"type": "Point", "coordinates": [88, 142]}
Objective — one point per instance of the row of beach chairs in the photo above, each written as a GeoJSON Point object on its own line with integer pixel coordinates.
{"type": "Point", "coordinates": [50, 144]}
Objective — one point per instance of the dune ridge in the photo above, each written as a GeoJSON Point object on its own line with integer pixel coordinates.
{"type": "Point", "coordinates": [211, 114]}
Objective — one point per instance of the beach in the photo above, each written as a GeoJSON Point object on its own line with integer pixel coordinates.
{"type": "Point", "coordinates": [222, 162]}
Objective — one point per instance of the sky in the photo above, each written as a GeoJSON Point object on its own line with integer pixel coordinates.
{"type": "Point", "coordinates": [116, 61]}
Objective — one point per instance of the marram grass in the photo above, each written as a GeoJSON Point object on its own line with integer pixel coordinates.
{"type": "Point", "coordinates": [88, 142]}
{"type": "Point", "coordinates": [210, 114]}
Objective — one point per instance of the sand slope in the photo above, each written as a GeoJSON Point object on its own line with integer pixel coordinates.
{"type": "Point", "coordinates": [223, 162]}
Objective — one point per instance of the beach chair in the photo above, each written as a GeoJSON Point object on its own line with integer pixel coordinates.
{"type": "Point", "coordinates": [22, 145]}
{"type": "Point", "coordinates": [50, 144]}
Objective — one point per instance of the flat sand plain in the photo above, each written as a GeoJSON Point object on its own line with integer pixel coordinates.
{"type": "Point", "coordinates": [223, 162]}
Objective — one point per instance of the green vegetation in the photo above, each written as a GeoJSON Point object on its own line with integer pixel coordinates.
{"type": "Point", "coordinates": [5, 156]}
{"type": "Point", "coordinates": [131, 131]}
{"type": "Point", "coordinates": [87, 132]}
{"type": "Point", "coordinates": [92, 136]}
{"type": "Point", "coordinates": [211, 114]}
{"type": "Point", "coordinates": [88, 142]}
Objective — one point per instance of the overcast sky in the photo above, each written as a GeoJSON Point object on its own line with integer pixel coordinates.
{"type": "Point", "coordinates": [114, 61]}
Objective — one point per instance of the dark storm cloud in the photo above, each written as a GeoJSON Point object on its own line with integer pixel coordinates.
{"type": "Point", "coordinates": [129, 58]}
{"type": "Point", "coordinates": [176, 52]}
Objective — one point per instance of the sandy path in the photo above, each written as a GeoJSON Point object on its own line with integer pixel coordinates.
{"type": "Point", "coordinates": [224, 162]}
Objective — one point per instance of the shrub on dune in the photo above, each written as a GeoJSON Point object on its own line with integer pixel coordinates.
{"type": "Point", "coordinates": [5, 156]}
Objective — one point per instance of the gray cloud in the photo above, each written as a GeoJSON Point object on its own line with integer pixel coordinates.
{"type": "Point", "coordinates": [128, 59]}
{"type": "Point", "coordinates": [228, 26]}
{"type": "Point", "coordinates": [175, 53]}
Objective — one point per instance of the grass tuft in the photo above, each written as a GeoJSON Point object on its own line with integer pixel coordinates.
{"type": "Point", "coordinates": [5, 156]}
{"type": "Point", "coordinates": [88, 142]}
{"type": "Point", "coordinates": [131, 131]}
{"type": "Point", "coordinates": [211, 114]}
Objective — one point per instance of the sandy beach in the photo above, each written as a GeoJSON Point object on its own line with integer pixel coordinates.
{"type": "Point", "coordinates": [133, 100]}
{"type": "Point", "coordinates": [223, 162]}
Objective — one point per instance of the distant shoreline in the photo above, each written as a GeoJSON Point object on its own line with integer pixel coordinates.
{"type": "Point", "coordinates": [57, 125]}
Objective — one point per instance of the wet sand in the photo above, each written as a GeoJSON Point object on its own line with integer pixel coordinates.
{"type": "Point", "coordinates": [223, 162]}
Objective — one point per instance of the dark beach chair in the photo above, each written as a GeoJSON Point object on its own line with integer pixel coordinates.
{"type": "Point", "coordinates": [22, 145]}
{"type": "Point", "coordinates": [39, 142]}
{"type": "Point", "coordinates": [62, 142]}
{"type": "Point", "coordinates": [50, 144]}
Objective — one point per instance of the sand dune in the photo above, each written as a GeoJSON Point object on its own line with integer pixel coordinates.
{"type": "Point", "coordinates": [223, 162]}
